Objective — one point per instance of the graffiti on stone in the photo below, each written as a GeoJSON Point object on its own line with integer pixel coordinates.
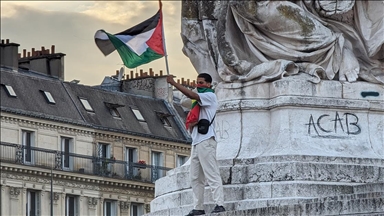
{"type": "Point", "coordinates": [144, 84]}
{"type": "Point", "coordinates": [333, 126]}
{"type": "Point", "coordinates": [369, 93]}
{"type": "Point", "coordinates": [222, 129]}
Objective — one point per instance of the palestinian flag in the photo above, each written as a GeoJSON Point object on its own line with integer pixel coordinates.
{"type": "Point", "coordinates": [193, 115]}
{"type": "Point", "coordinates": [138, 45]}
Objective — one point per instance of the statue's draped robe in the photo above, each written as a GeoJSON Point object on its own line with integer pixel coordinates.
{"type": "Point", "coordinates": [258, 41]}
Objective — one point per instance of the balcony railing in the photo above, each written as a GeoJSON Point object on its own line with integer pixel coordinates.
{"type": "Point", "coordinates": [76, 163]}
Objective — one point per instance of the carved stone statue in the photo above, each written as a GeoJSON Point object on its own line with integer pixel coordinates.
{"type": "Point", "coordinates": [260, 41]}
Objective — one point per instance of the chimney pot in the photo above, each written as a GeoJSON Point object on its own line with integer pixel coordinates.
{"type": "Point", "coordinates": [2, 41]}
{"type": "Point", "coordinates": [127, 77]}
{"type": "Point", "coordinates": [29, 54]}
{"type": "Point", "coordinates": [47, 51]}
{"type": "Point", "coordinates": [161, 73]}
{"type": "Point", "coordinates": [131, 74]}
{"type": "Point", "coordinates": [33, 52]}
{"type": "Point", "coordinates": [42, 48]}
{"type": "Point", "coordinates": [178, 81]}
{"type": "Point", "coordinates": [19, 55]}
{"type": "Point", "coordinates": [141, 72]}
{"type": "Point", "coordinates": [53, 49]}
{"type": "Point", "coordinates": [24, 53]}
{"type": "Point", "coordinates": [136, 75]}
{"type": "Point", "coordinates": [7, 41]}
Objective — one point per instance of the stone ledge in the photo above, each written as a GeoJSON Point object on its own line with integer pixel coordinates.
{"type": "Point", "coordinates": [300, 87]}
{"type": "Point", "coordinates": [311, 158]}
{"type": "Point", "coordinates": [299, 101]}
{"type": "Point", "coordinates": [303, 171]}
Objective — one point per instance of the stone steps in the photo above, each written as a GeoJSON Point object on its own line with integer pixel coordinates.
{"type": "Point", "coordinates": [262, 192]}
{"type": "Point", "coordinates": [278, 172]}
{"type": "Point", "coordinates": [283, 185]}
{"type": "Point", "coordinates": [352, 204]}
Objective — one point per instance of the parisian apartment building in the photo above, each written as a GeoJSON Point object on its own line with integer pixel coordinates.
{"type": "Point", "coordinates": [73, 149]}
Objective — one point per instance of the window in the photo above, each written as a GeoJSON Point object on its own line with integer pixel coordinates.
{"type": "Point", "coordinates": [110, 208]}
{"type": "Point", "coordinates": [157, 162]}
{"type": "Point", "coordinates": [103, 166]}
{"type": "Point", "coordinates": [138, 114]}
{"type": "Point", "coordinates": [71, 205]}
{"type": "Point", "coordinates": [164, 118]}
{"type": "Point", "coordinates": [165, 121]}
{"type": "Point", "coordinates": [10, 91]}
{"type": "Point", "coordinates": [49, 97]}
{"type": "Point", "coordinates": [104, 150]}
{"type": "Point", "coordinates": [28, 143]}
{"type": "Point", "coordinates": [86, 104]}
{"type": "Point", "coordinates": [113, 109]}
{"type": "Point", "coordinates": [67, 149]}
{"type": "Point", "coordinates": [131, 157]}
{"type": "Point", "coordinates": [114, 112]}
{"type": "Point", "coordinates": [33, 203]}
{"type": "Point", "coordinates": [137, 209]}
{"type": "Point", "coordinates": [181, 159]}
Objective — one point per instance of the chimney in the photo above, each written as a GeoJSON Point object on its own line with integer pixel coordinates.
{"type": "Point", "coordinates": [9, 54]}
{"type": "Point", "coordinates": [44, 61]}
{"type": "Point", "coordinates": [147, 85]}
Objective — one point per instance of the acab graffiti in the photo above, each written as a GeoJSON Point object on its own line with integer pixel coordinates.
{"type": "Point", "coordinates": [334, 126]}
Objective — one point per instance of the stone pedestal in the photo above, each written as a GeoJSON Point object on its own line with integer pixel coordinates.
{"type": "Point", "coordinates": [294, 148]}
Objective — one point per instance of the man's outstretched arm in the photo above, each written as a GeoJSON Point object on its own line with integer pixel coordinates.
{"type": "Point", "coordinates": [187, 92]}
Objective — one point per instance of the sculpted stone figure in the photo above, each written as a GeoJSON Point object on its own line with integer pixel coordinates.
{"type": "Point", "coordinates": [260, 41]}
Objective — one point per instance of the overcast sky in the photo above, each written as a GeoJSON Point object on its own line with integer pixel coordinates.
{"type": "Point", "coordinates": [71, 26]}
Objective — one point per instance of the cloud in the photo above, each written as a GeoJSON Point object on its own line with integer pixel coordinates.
{"type": "Point", "coordinates": [71, 27]}
{"type": "Point", "coordinates": [122, 12]}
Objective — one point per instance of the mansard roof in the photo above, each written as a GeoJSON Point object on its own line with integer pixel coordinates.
{"type": "Point", "coordinates": [31, 100]}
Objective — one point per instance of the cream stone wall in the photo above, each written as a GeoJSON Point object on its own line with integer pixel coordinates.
{"type": "Point", "coordinates": [91, 190]}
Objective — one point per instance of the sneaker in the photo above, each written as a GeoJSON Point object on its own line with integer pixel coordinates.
{"type": "Point", "coordinates": [196, 212]}
{"type": "Point", "coordinates": [218, 209]}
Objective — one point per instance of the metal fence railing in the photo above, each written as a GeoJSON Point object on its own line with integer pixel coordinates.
{"type": "Point", "coordinates": [76, 163]}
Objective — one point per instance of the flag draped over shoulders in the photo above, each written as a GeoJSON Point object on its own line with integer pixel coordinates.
{"type": "Point", "coordinates": [138, 45]}
{"type": "Point", "coordinates": [193, 115]}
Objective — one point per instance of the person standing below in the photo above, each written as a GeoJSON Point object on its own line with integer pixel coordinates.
{"type": "Point", "coordinates": [203, 156]}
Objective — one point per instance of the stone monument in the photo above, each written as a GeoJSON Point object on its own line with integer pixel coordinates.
{"type": "Point", "coordinates": [300, 124]}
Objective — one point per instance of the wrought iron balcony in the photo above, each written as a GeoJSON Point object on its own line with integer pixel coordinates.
{"type": "Point", "coordinates": [76, 163]}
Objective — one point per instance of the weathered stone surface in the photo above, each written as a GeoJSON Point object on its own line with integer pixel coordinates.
{"type": "Point", "coordinates": [284, 151]}
{"type": "Point", "coordinates": [261, 41]}
{"type": "Point", "coordinates": [354, 204]}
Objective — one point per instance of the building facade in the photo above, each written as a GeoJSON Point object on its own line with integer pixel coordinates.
{"type": "Point", "coordinates": [71, 149]}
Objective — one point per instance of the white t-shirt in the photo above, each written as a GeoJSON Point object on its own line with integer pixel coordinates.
{"type": "Point", "coordinates": [208, 107]}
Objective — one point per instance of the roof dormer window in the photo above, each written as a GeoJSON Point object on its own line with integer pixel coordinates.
{"type": "Point", "coordinates": [10, 91]}
{"type": "Point", "coordinates": [113, 109]}
{"type": "Point", "coordinates": [87, 106]}
{"type": "Point", "coordinates": [164, 118]}
{"type": "Point", "coordinates": [138, 114]}
{"type": "Point", "coordinates": [49, 97]}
